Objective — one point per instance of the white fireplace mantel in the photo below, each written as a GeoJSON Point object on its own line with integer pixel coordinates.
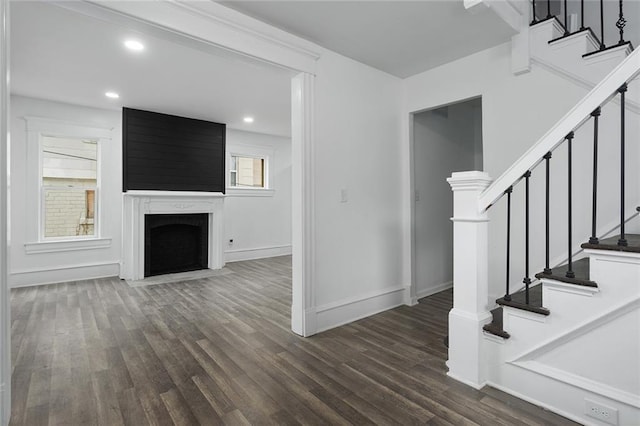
{"type": "Point", "coordinates": [137, 204]}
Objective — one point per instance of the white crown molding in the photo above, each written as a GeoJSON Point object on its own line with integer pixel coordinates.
{"type": "Point", "coordinates": [205, 23]}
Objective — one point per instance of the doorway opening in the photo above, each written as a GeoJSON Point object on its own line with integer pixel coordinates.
{"type": "Point", "coordinates": [446, 139]}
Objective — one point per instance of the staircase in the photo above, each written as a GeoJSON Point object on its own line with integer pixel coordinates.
{"type": "Point", "coordinates": [567, 336]}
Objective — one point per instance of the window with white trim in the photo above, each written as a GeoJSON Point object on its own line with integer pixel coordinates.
{"type": "Point", "coordinates": [248, 171]}
{"type": "Point", "coordinates": [68, 187]}
{"type": "Point", "coordinates": [63, 182]}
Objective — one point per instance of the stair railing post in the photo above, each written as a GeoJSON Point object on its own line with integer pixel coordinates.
{"type": "Point", "coordinates": [622, 90]}
{"type": "Point", "coordinates": [547, 269]}
{"type": "Point", "coordinates": [620, 23]}
{"type": "Point", "coordinates": [527, 279]}
{"type": "Point", "coordinates": [566, 21]}
{"type": "Point", "coordinates": [582, 27]}
{"type": "Point", "coordinates": [602, 44]}
{"type": "Point", "coordinates": [507, 293]}
{"type": "Point", "coordinates": [570, 273]}
{"type": "Point", "coordinates": [467, 359]}
{"type": "Point", "coordinates": [594, 205]}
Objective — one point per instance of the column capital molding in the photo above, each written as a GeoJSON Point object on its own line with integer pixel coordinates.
{"type": "Point", "coordinates": [469, 181]}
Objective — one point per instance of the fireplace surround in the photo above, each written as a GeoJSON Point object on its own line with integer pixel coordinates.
{"type": "Point", "coordinates": [139, 204]}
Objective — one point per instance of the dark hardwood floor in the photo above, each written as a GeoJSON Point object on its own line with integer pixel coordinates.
{"type": "Point", "coordinates": [220, 351]}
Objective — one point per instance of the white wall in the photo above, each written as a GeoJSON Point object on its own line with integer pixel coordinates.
{"type": "Point", "coordinates": [358, 250]}
{"type": "Point", "coordinates": [445, 140]}
{"type": "Point", "coordinates": [516, 111]}
{"type": "Point", "coordinates": [260, 226]}
{"type": "Point", "coordinates": [38, 268]}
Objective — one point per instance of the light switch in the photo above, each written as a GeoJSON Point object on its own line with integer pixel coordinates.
{"type": "Point", "coordinates": [344, 196]}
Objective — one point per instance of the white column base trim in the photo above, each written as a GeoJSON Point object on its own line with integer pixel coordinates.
{"type": "Point", "coordinates": [467, 357]}
{"type": "Point", "coordinates": [408, 299]}
{"type": "Point", "coordinates": [256, 253]}
{"type": "Point", "coordinates": [352, 309]}
{"type": "Point", "coordinates": [477, 386]}
{"type": "Point", "coordinates": [31, 277]}
{"type": "Point", "coordinates": [433, 290]}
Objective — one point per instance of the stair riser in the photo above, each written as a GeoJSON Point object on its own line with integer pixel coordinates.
{"type": "Point", "coordinates": [546, 31]}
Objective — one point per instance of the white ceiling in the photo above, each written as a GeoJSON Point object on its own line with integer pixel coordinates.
{"type": "Point", "coordinates": [60, 55]}
{"type": "Point", "coordinates": [402, 38]}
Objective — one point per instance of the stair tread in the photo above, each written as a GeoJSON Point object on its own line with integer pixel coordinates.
{"type": "Point", "coordinates": [495, 327]}
{"type": "Point", "coordinates": [547, 18]}
{"type": "Point", "coordinates": [580, 269]}
{"type": "Point", "coordinates": [586, 30]}
{"type": "Point", "coordinates": [633, 244]}
{"type": "Point", "coordinates": [518, 300]}
{"type": "Point", "coordinates": [625, 45]}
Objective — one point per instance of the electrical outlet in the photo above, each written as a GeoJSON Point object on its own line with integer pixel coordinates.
{"type": "Point", "coordinates": [601, 412]}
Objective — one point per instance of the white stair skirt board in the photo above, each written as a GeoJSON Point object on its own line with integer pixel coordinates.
{"type": "Point", "coordinates": [256, 253]}
{"type": "Point", "coordinates": [348, 310]}
{"type": "Point", "coordinates": [58, 274]}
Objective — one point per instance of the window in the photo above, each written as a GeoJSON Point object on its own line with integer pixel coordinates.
{"type": "Point", "coordinates": [246, 172]}
{"type": "Point", "coordinates": [249, 170]}
{"type": "Point", "coordinates": [68, 186]}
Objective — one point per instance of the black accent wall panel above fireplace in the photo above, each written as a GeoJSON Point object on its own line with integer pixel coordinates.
{"type": "Point", "coordinates": [169, 153]}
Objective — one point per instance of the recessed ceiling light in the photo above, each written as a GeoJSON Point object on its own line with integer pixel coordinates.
{"type": "Point", "coordinates": [134, 45]}
{"type": "Point", "coordinates": [248, 119]}
{"type": "Point", "coordinates": [112, 95]}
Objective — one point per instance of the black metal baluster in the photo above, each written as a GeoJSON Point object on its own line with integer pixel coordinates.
{"type": "Point", "coordinates": [582, 15]}
{"type": "Point", "coordinates": [526, 280]}
{"type": "Point", "coordinates": [602, 45]}
{"type": "Point", "coordinates": [547, 270]}
{"type": "Point", "coordinates": [507, 296]}
{"type": "Point", "coordinates": [594, 239]}
{"type": "Point", "coordinates": [566, 23]}
{"type": "Point", "coordinates": [622, 90]}
{"type": "Point", "coordinates": [620, 24]}
{"type": "Point", "coordinates": [570, 273]}
{"type": "Point", "coordinates": [549, 9]}
{"type": "Point", "coordinates": [535, 18]}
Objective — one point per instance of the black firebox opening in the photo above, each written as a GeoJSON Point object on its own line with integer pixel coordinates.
{"type": "Point", "coordinates": [175, 243]}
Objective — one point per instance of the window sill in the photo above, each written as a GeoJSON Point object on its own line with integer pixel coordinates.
{"type": "Point", "coordinates": [67, 245]}
{"type": "Point", "coordinates": [249, 192]}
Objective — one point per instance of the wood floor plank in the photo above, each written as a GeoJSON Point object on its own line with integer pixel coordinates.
{"type": "Point", "coordinates": [219, 350]}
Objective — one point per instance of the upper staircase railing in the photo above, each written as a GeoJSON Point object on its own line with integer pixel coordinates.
{"type": "Point", "coordinates": [542, 7]}
{"type": "Point", "coordinates": [589, 108]}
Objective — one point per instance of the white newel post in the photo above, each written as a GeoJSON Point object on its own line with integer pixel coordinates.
{"type": "Point", "coordinates": [470, 279]}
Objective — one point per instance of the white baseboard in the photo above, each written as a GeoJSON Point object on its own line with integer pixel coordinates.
{"type": "Point", "coordinates": [31, 277]}
{"type": "Point", "coordinates": [549, 407]}
{"type": "Point", "coordinates": [5, 412]}
{"type": "Point", "coordinates": [4, 406]}
{"type": "Point", "coordinates": [352, 309]}
{"type": "Point", "coordinates": [256, 253]}
{"type": "Point", "coordinates": [433, 290]}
